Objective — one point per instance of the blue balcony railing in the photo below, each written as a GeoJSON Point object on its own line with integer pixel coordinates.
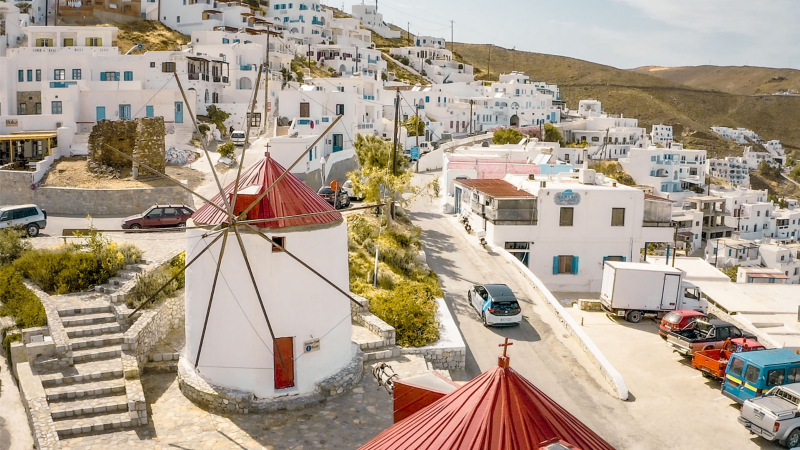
{"type": "Point", "coordinates": [246, 67]}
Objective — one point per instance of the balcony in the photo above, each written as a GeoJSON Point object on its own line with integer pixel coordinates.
{"type": "Point", "coordinates": [194, 76]}
{"type": "Point", "coordinates": [245, 67]}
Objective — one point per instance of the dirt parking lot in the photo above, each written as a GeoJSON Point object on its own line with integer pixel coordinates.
{"type": "Point", "coordinates": [663, 385]}
{"type": "Point", "coordinates": [72, 172]}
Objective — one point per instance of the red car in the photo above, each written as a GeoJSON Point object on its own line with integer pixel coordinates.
{"type": "Point", "coordinates": [678, 320]}
{"type": "Point", "coordinates": [159, 216]}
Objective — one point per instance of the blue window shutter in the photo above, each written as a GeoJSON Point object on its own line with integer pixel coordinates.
{"type": "Point", "coordinates": [102, 76]}
{"type": "Point", "coordinates": [116, 76]}
{"type": "Point", "coordinates": [149, 111]}
{"type": "Point", "coordinates": [555, 265]}
{"type": "Point", "coordinates": [574, 265]}
{"type": "Point", "coordinates": [605, 258]}
{"type": "Point", "coordinates": [624, 259]}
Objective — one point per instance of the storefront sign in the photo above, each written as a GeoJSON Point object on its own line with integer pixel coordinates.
{"type": "Point", "coordinates": [12, 122]}
{"type": "Point", "coordinates": [567, 198]}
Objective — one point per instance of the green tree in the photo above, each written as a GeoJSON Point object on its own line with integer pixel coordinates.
{"type": "Point", "coordinates": [218, 118]}
{"type": "Point", "coordinates": [731, 272]}
{"type": "Point", "coordinates": [374, 157]}
{"type": "Point", "coordinates": [768, 170]}
{"type": "Point", "coordinates": [507, 136]}
{"type": "Point", "coordinates": [415, 126]}
{"type": "Point", "coordinates": [552, 134]}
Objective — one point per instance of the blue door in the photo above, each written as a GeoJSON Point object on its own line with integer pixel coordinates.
{"type": "Point", "coordinates": [338, 142]}
{"type": "Point", "coordinates": [178, 112]}
{"type": "Point", "coordinates": [458, 200]}
{"type": "Point", "coordinates": [125, 112]}
{"type": "Point", "coordinates": [101, 113]}
{"type": "Point", "coordinates": [148, 110]}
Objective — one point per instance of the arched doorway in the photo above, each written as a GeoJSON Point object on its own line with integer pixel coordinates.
{"type": "Point", "coordinates": [514, 120]}
{"type": "Point", "coordinates": [342, 70]}
{"type": "Point", "coordinates": [245, 83]}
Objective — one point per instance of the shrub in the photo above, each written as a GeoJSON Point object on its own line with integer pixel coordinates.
{"type": "Point", "coordinates": [411, 309]}
{"type": "Point", "coordinates": [12, 245]}
{"type": "Point", "coordinates": [613, 169]}
{"type": "Point", "coordinates": [732, 272]}
{"type": "Point", "coordinates": [226, 150]}
{"type": "Point", "coordinates": [507, 136]}
{"type": "Point", "coordinates": [149, 283]}
{"type": "Point", "coordinates": [8, 338]}
{"type": "Point", "coordinates": [204, 128]}
{"type": "Point", "coordinates": [218, 118]}
{"type": "Point", "coordinates": [18, 301]}
{"type": "Point", "coordinates": [795, 174]}
{"type": "Point", "coordinates": [76, 267]}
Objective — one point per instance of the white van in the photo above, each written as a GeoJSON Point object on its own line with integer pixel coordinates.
{"type": "Point", "coordinates": [237, 137]}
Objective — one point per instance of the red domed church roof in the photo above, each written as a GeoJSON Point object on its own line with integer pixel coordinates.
{"type": "Point", "coordinates": [497, 410]}
{"type": "Point", "coordinates": [290, 197]}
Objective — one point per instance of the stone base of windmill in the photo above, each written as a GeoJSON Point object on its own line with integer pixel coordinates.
{"type": "Point", "coordinates": [227, 400]}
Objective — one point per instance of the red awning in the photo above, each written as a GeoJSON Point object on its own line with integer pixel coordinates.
{"type": "Point", "coordinates": [497, 410]}
{"type": "Point", "coordinates": [778, 276]}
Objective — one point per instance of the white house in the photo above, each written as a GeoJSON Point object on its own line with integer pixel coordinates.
{"type": "Point", "coordinates": [369, 16]}
{"type": "Point", "coordinates": [781, 258]}
{"type": "Point", "coordinates": [661, 135]}
{"type": "Point", "coordinates": [187, 16]}
{"type": "Point", "coordinates": [748, 211]}
{"type": "Point", "coordinates": [238, 349]}
{"type": "Point", "coordinates": [10, 30]}
{"type": "Point", "coordinates": [739, 135]}
{"type": "Point", "coordinates": [787, 224]}
{"type": "Point", "coordinates": [431, 58]}
{"type": "Point", "coordinates": [304, 22]}
{"type": "Point", "coordinates": [672, 172]}
{"type": "Point", "coordinates": [590, 108]}
{"type": "Point", "coordinates": [732, 170]}
{"type": "Point", "coordinates": [690, 228]}
{"type": "Point", "coordinates": [564, 227]}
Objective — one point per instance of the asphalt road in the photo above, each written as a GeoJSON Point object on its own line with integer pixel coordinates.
{"type": "Point", "coordinates": [545, 355]}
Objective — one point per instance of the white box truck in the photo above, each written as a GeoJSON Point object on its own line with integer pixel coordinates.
{"type": "Point", "coordinates": [633, 290]}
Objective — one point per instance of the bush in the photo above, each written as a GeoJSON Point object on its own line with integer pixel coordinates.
{"type": "Point", "coordinates": [732, 272]}
{"type": "Point", "coordinates": [204, 128]}
{"type": "Point", "coordinates": [614, 170]}
{"type": "Point", "coordinates": [149, 283]}
{"type": "Point", "coordinates": [507, 136]}
{"type": "Point", "coordinates": [226, 150]}
{"type": "Point", "coordinates": [795, 174]}
{"type": "Point", "coordinates": [12, 245]}
{"type": "Point", "coordinates": [411, 309]}
{"type": "Point", "coordinates": [8, 338]}
{"type": "Point", "coordinates": [552, 133]}
{"type": "Point", "coordinates": [76, 267]}
{"type": "Point", "coordinates": [18, 301]}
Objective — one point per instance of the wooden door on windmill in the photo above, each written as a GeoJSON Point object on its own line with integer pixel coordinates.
{"type": "Point", "coordinates": [284, 362]}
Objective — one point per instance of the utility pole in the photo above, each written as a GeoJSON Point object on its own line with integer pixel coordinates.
{"type": "Point", "coordinates": [471, 102]}
{"type": "Point", "coordinates": [266, 87]}
{"type": "Point", "coordinates": [489, 67]}
{"type": "Point", "coordinates": [394, 148]}
{"type": "Point", "coordinates": [513, 58]}
{"type": "Point", "coordinates": [452, 42]}
{"type": "Point", "coordinates": [46, 11]}
{"type": "Point", "coordinates": [408, 34]}
{"type": "Point", "coordinates": [416, 131]}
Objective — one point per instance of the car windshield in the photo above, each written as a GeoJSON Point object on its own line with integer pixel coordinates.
{"type": "Point", "coordinates": [505, 306]}
{"type": "Point", "coordinates": [237, 135]}
{"type": "Point", "coordinates": [325, 190]}
{"type": "Point", "coordinates": [673, 317]}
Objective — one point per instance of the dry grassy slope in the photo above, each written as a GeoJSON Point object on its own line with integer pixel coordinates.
{"type": "Point", "coordinates": [733, 80]}
{"type": "Point", "coordinates": [155, 36]}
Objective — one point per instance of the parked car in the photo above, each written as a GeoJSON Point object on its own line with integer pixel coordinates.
{"type": "Point", "coordinates": [496, 304]}
{"type": "Point", "coordinates": [237, 137]}
{"type": "Point", "coordinates": [159, 216]}
{"type": "Point", "coordinates": [751, 374]}
{"type": "Point", "coordinates": [775, 416]}
{"type": "Point", "coordinates": [31, 218]}
{"type": "Point", "coordinates": [682, 319]}
{"type": "Point", "coordinates": [330, 196]}
{"type": "Point", "coordinates": [714, 362]}
{"type": "Point", "coordinates": [351, 192]}
{"type": "Point", "coordinates": [704, 335]}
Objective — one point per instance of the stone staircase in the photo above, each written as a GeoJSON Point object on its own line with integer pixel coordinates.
{"type": "Point", "coordinates": [123, 276]}
{"type": "Point", "coordinates": [91, 393]}
{"type": "Point", "coordinates": [373, 346]}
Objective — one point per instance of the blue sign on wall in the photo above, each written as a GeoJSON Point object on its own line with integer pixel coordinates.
{"type": "Point", "coordinates": [414, 153]}
{"type": "Point", "coordinates": [567, 198]}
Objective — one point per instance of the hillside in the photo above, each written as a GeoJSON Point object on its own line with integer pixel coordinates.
{"type": "Point", "coordinates": [733, 80]}
{"type": "Point", "coordinates": [653, 100]}
{"type": "Point", "coordinates": [155, 36]}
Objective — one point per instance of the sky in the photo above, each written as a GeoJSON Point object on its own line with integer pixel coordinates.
{"type": "Point", "coordinates": [619, 33]}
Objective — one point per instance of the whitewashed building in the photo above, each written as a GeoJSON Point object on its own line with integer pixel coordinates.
{"type": "Point", "coordinates": [370, 18]}
{"type": "Point", "coordinates": [564, 227]}
{"type": "Point", "coordinates": [662, 135]}
{"type": "Point", "coordinates": [672, 172]}
{"type": "Point", "coordinates": [431, 58]}
{"type": "Point", "coordinates": [733, 170]}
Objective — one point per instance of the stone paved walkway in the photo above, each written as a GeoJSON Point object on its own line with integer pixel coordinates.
{"type": "Point", "coordinates": [345, 422]}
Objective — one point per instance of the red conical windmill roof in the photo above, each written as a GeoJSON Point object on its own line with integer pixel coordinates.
{"type": "Point", "coordinates": [290, 197]}
{"type": "Point", "coordinates": [497, 410]}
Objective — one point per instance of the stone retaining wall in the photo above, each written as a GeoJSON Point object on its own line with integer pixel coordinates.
{"type": "Point", "coordinates": [152, 326]}
{"type": "Point", "coordinates": [441, 358]}
{"type": "Point", "coordinates": [62, 349]}
{"type": "Point", "coordinates": [226, 400]}
{"type": "Point", "coordinates": [34, 399]}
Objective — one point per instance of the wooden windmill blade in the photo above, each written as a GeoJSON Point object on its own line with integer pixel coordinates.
{"type": "Point", "coordinates": [211, 297]}
{"type": "Point", "coordinates": [246, 142]}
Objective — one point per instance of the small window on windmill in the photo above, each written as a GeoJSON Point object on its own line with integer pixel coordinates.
{"type": "Point", "coordinates": [280, 241]}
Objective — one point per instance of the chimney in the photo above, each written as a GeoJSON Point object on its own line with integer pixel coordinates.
{"type": "Point", "coordinates": [585, 158]}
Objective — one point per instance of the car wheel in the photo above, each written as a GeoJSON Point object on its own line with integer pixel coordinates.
{"type": "Point", "coordinates": [793, 440]}
{"type": "Point", "coordinates": [634, 316]}
{"type": "Point", "coordinates": [32, 229]}
{"type": "Point", "coordinates": [136, 226]}
{"type": "Point", "coordinates": [182, 225]}
{"type": "Point", "coordinates": [486, 324]}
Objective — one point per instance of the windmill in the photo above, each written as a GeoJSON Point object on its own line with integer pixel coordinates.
{"type": "Point", "coordinates": [239, 226]}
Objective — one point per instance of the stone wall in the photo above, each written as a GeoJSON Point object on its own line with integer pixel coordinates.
{"type": "Point", "coordinates": [15, 189]}
{"type": "Point", "coordinates": [56, 354]}
{"type": "Point", "coordinates": [142, 139]}
{"type": "Point", "coordinates": [34, 399]}
{"type": "Point", "coordinates": [152, 326]}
